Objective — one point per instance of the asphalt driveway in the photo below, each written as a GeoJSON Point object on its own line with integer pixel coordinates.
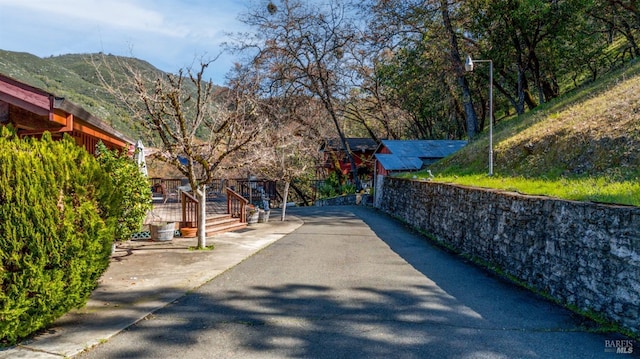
{"type": "Point", "coordinates": [354, 283]}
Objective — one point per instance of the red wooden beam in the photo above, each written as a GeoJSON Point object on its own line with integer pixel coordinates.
{"type": "Point", "coordinates": [25, 96]}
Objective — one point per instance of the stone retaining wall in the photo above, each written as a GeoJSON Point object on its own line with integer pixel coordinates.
{"type": "Point", "coordinates": [583, 254]}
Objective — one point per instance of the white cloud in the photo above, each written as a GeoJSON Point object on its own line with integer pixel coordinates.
{"type": "Point", "coordinates": [167, 33]}
{"type": "Point", "coordinates": [113, 14]}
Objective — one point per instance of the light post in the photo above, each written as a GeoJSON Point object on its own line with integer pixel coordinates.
{"type": "Point", "coordinates": [468, 65]}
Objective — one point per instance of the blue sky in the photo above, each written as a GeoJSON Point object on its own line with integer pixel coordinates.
{"type": "Point", "coordinates": [169, 34]}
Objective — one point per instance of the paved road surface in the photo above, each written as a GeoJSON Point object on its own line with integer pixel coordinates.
{"type": "Point", "coordinates": [353, 283]}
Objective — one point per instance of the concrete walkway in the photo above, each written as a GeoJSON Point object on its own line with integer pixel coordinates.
{"type": "Point", "coordinates": [353, 283]}
{"type": "Point", "coordinates": [144, 276]}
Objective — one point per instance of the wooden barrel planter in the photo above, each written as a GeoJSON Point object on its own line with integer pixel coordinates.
{"type": "Point", "coordinates": [162, 231]}
{"type": "Point", "coordinates": [263, 216]}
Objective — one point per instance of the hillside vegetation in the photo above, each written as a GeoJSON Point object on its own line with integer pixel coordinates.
{"type": "Point", "coordinates": [583, 146]}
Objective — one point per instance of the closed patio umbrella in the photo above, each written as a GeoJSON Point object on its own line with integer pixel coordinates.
{"type": "Point", "coordinates": [139, 157]}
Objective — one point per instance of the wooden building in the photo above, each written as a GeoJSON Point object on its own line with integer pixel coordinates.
{"type": "Point", "coordinates": [32, 111]}
{"type": "Point", "coordinates": [336, 159]}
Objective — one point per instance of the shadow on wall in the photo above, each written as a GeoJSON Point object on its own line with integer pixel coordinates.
{"type": "Point", "coordinates": [581, 254]}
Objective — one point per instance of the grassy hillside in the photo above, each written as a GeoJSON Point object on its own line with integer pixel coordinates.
{"type": "Point", "coordinates": [73, 77]}
{"type": "Point", "coordinates": [583, 146]}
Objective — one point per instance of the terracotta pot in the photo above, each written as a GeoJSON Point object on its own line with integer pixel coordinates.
{"type": "Point", "coordinates": [189, 232]}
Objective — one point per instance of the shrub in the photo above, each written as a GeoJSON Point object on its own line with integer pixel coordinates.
{"type": "Point", "coordinates": [331, 187]}
{"type": "Point", "coordinates": [347, 188]}
{"type": "Point", "coordinates": [327, 191]}
{"type": "Point", "coordinates": [132, 196]}
{"type": "Point", "coordinates": [55, 241]}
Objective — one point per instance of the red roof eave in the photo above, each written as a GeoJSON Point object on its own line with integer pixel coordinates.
{"type": "Point", "coordinates": [59, 110]}
{"type": "Point", "coordinates": [25, 96]}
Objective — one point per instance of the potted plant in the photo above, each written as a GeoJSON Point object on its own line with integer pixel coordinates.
{"type": "Point", "coordinates": [188, 229]}
{"type": "Point", "coordinates": [188, 232]}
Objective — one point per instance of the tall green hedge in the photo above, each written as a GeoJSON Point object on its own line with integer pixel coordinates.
{"type": "Point", "coordinates": [55, 237]}
{"type": "Point", "coordinates": [131, 201]}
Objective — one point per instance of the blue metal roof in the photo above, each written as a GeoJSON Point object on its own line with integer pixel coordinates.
{"type": "Point", "coordinates": [392, 162]}
{"type": "Point", "coordinates": [410, 155]}
{"type": "Point", "coordinates": [423, 148]}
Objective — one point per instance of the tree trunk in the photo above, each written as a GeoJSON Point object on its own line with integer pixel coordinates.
{"type": "Point", "coordinates": [307, 201]}
{"type": "Point", "coordinates": [336, 165]}
{"type": "Point", "coordinates": [345, 146]}
{"type": "Point", "coordinates": [285, 195]}
{"type": "Point", "coordinates": [521, 92]}
{"type": "Point", "coordinates": [201, 195]}
{"type": "Point", "coordinates": [472, 118]}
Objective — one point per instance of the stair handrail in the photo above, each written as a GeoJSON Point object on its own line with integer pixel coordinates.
{"type": "Point", "coordinates": [190, 209]}
{"type": "Point", "coordinates": [236, 205]}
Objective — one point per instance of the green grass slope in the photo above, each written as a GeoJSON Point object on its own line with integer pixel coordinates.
{"type": "Point", "coordinates": [584, 146]}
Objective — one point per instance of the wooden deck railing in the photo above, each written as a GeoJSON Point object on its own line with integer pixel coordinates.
{"type": "Point", "coordinates": [255, 189]}
{"type": "Point", "coordinates": [170, 184]}
{"type": "Point", "coordinates": [190, 210]}
{"type": "Point", "coordinates": [236, 205]}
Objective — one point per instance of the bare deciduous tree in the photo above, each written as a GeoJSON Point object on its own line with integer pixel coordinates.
{"type": "Point", "coordinates": [198, 124]}
{"type": "Point", "coordinates": [301, 50]}
{"type": "Point", "coordinates": [288, 148]}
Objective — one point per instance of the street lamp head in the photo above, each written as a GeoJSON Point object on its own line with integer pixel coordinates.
{"type": "Point", "coordinates": [468, 65]}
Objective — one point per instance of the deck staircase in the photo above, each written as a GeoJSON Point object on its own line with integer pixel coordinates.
{"type": "Point", "coordinates": [215, 223]}
{"type": "Point", "coordinates": [222, 223]}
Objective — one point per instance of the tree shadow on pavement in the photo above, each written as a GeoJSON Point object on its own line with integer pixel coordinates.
{"type": "Point", "coordinates": [437, 306]}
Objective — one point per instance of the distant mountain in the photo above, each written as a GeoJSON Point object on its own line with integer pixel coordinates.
{"type": "Point", "coordinates": [74, 77]}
